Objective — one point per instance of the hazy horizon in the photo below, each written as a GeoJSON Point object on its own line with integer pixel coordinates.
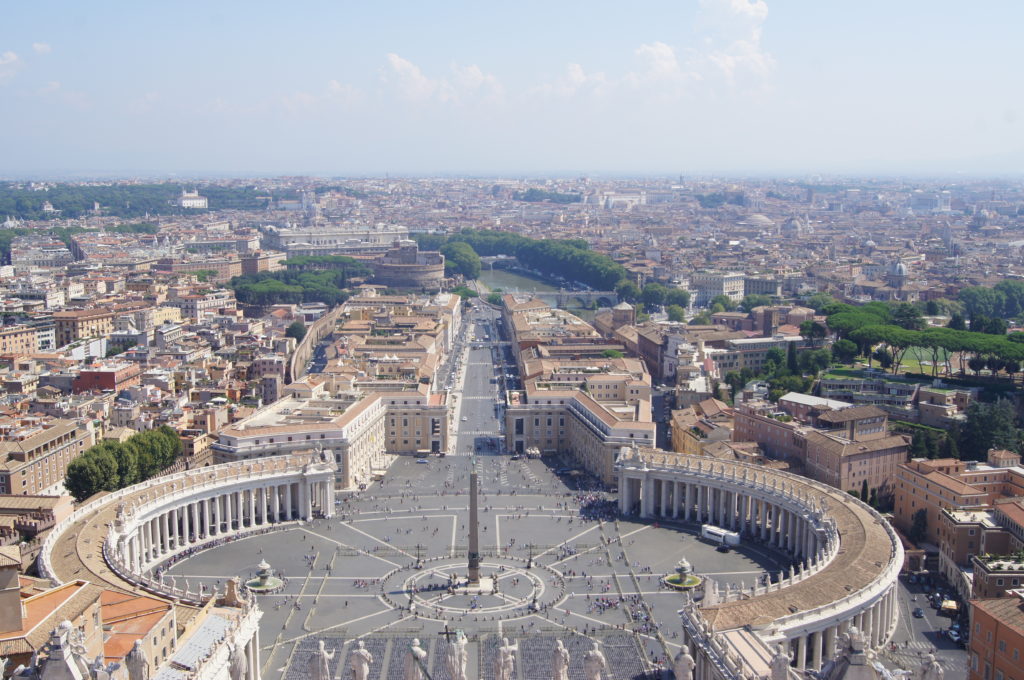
{"type": "Point", "coordinates": [712, 88]}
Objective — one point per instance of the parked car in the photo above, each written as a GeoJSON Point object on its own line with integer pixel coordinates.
{"type": "Point", "coordinates": [918, 613]}
{"type": "Point", "coordinates": [953, 635]}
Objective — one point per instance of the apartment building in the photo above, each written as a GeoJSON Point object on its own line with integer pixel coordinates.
{"type": "Point", "coordinates": [706, 422]}
{"type": "Point", "coordinates": [20, 339]}
{"type": "Point", "coordinates": [74, 324]}
{"type": "Point", "coordinates": [710, 284]}
{"type": "Point", "coordinates": [952, 484]}
{"type": "Point", "coordinates": [573, 422]}
{"type": "Point", "coordinates": [356, 429]}
{"type": "Point", "coordinates": [109, 375]}
{"type": "Point", "coordinates": [843, 447]}
{"type": "Point", "coordinates": [997, 638]}
{"type": "Point", "coordinates": [198, 306]}
{"type": "Point", "coordinates": [35, 452]}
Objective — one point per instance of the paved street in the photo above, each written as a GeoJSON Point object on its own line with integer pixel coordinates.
{"type": "Point", "coordinates": [915, 637]}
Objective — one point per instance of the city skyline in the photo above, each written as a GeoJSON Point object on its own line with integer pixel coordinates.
{"type": "Point", "coordinates": [715, 87]}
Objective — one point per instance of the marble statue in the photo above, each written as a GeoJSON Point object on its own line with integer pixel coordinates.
{"type": "Point", "coordinates": [683, 665]}
{"type": "Point", "coordinates": [238, 663]}
{"type": "Point", "coordinates": [505, 661]}
{"type": "Point", "coordinates": [320, 663]}
{"type": "Point", "coordinates": [780, 664]}
{"type": "Point", "coordinates": [137, 663]}
{"type": "Point", "coordinates": [415, 662]}
{"type": "Point", "coordinates": [560, 662]}
{"type": "Point", "coordinates": [930, 669]}
{"type": "Point", "coordinates": [457, 657]}
{"type": "Point", "coordinates": [594, 663]}
{"type": "Point", "coordinates": [359, 661]}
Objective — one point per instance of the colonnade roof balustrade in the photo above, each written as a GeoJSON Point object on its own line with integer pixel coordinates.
{"type": "Point", "coordinates": [869, 556]}
{"type": "Point", "coordinates": [74, 547]}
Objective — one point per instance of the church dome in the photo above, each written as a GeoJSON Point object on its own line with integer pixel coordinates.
{"type": "Point", "coordinates": [760, 220]}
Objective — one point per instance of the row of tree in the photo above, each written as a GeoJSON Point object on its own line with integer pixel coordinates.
{"type": "Point", "coordinates": [112, 465]}
{"type": "Point", "coordinates": [460, 258]}
{"type": "Point", "coordinates": [792, 370]}
{"type": "Point", "coordinates": [122, 200]}
{"type": "Point", "coordinates": [1005, 300]}
{"type": "Point", "coordinates": [652, 295]}
{"type": "Point", "coordinates": [322, 279]}
{"type": "Point", "coordinates": [571, 258]}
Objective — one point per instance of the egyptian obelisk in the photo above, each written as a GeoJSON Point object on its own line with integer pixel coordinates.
{"type": "Point", "coordinates": [474, 526]}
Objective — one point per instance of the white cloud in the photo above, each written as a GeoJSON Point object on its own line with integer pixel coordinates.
{"type": "Point", "coordinates": [9, 64]}
{"type": "Point", "coordinates": [734, 30]}
{"type": "Point", "coordinates": [41, 48]}
{"type": "Point", "coordinates": [465, 83]}
{"type": "Point", "coordinates": [49, 88]}
{"type": "Point", "coordinates": [576, 80]}
{"type": "Point", "coordinates": [408, 79]}
{"type": "Point", "coordinates": [728, 51]}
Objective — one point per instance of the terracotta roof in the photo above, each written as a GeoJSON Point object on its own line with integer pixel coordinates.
{"type": "Point", "coordinates": [845, 415]}
{"type": "Point", "coordinates": [1009, 611]}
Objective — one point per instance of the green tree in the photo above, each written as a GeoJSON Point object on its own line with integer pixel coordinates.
{"type": "Point", "coordinates": [460, 258]}
{"type": "Point", "coordinates": [864, 490]}
{"type": "Point", "coordinates": [677, 296]}
{"type": "Point", "coordinates": [819, 301]}
{"type": "Point", "coordinates": [918, 448]}
{"type": "Point", "coordinates": [296, 330]}
{"type": "Point", "coordinates": [727, 304]}
{"type": "Point", "coordinates": [751, 301]}
{"type": "Point", "coordinates": [989, 426]}
{"type": "Point", "coordinates": [957, 322]}
{"type": "Point", "coordinates": [494, 298]}
{"type": "Point", "coordinates": [653, 295]}
{"type": "Point", "coordinates": [676, 313]}
{"type": "Point", "coordinates": [701, 319]}
{"type": "Point", "coordinates": [813, 331]}
{"type": "Point", "coordinates": [83, 478]}
{"type": "Point", "coordinates": [465, 293]}
{"type": "Point", "coordinates": [627, 291]}
{"type": "Point", "coordinates": [906, 315]}
{"type": "Point", "coordinates": [612, 354]}
{"type": "Point", "coordinates": [844, 351]}
{"type": "Point", "coordinates": [791, 363]}
{"type": "Point", "coordinates": [919, 526]}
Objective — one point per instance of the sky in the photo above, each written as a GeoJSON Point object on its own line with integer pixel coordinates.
{"type": "Point", "coordinates": [452, 87]}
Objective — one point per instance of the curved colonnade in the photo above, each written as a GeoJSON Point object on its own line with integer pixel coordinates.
{"type": "Point", "coordinates": [849, 557]}
{"type": "Point", "coordinates": [115, 540]}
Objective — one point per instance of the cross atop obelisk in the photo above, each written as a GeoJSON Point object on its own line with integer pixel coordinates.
{"type": "Point", "coordinates": [474, 526]}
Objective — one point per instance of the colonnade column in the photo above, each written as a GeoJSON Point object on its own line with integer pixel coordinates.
{"type": "Point", "coordinates": [816, 650]}
{"type": "Point", "coordinates": [801, 653]}
{"type": "Point", "coordinates": [194, 512]}
{"type": "Point", "coordinates": [288, 501]}
{"type": "Point", "coordinates": [664, 498]}
{"type": "Point", "coordinates": [676, 486]}
{"type": "Point", "coordinates": [688, 507]}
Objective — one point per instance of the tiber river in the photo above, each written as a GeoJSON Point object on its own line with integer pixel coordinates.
{"type": "Point", "coordinates": [515, 282]}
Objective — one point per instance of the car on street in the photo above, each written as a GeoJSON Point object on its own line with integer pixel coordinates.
{"type": "Point", "coordinates": [722, 548]}
{"type": "Point", "coordinates": [422, 460]}
{"type": "Point", "coordinates": [918, 613]}
{"type": "Point", "coordinates": [953, 635]}
{"type": "Point", "coordinates": [464, 418]}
